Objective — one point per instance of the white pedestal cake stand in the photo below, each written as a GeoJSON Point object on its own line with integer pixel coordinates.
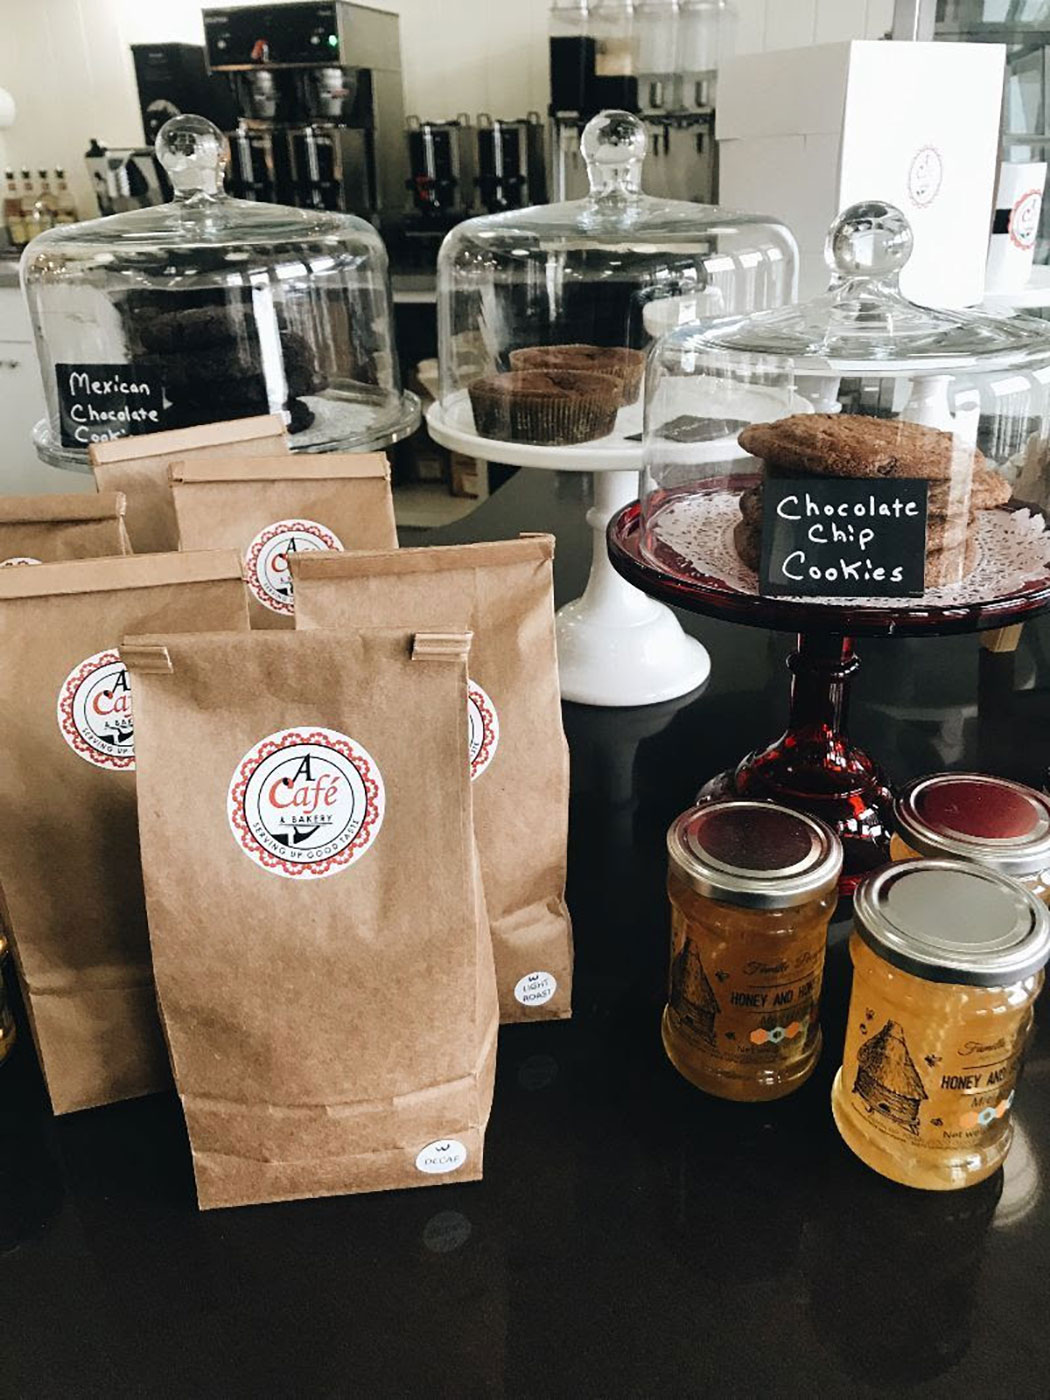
{"type": "Point", "coordinates": [616, 646]}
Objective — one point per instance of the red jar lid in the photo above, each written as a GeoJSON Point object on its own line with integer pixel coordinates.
{"type": "Point", "coordinates": [755, 854]}
{"type": "Point", "coordinates": [975, 817]}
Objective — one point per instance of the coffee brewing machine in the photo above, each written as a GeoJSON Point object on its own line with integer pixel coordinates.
{"type": "Point", "coordinates": [511, 165]}
{"type": "Point", "coordinates": [656, 58]}
{"type": "Point", "coordinates": [125, 177]}
{"type": "Point", "coordinates": [317, 88]}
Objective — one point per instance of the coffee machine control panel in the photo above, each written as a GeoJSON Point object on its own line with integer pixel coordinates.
{"type": "Point", "coordinates": [270, 35]}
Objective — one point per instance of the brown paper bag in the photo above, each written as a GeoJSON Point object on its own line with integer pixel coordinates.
{"type": "Point", "coordinates": [322, 958]}
{"type": "Point", "coordinates": [43, 529]}
{"type": "Point", "coordinates": [502, 593]}
{"type": "Point", "coordinates": [270, 508]}
{"type": "Point", "coordinates": [138, 466]}
{"type": "Point", "coordinates": [68, 841]}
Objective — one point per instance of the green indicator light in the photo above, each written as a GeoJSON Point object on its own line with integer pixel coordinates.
{"type": "Point", "coordinates": [333, 41]}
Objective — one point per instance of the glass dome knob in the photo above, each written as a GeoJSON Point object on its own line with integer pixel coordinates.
{"type": "Point", "coordinates": [871, 239]}
{"type": "Point", "coordinates": [193, 152]}
{"type": "Point", "coordinates": [613, 146]}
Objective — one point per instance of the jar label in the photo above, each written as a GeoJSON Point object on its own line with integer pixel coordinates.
{"type": "Point", "coordinates": [94, 712]}
{"type": "Point", "coordinates": [746, 1002]}
{"type": "Point", "coordinates": [482, 729]}
{"type": "Point", "coordinates": [306, 802]}
{"type": "Point", "coordinates": [535, 988]}
{"type": "Point", "coordinates": [444, 1155]}
{"type": "Point", "coordinates": [268, 573]}
{"type": "Point", "coordinates": [905, 1078]}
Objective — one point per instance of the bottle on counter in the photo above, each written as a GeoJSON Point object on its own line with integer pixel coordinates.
{"type": "Point", "coordinates": [947, 963]}
{"type": "Point", "coordinates": [28, 195]}
{"type": "Point", "coordinates": [752, 887]}
{"type": "Point", "coordinates": [974, 817]}
{"type": "Point", "coordinates": [14, 223]}
{"type": "Point", "coordinates": [67, 209]}
{"type": "Point", "coordinates": [46, 205]}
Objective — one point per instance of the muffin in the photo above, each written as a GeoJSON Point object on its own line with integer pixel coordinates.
{"type": "Point", "coordinates": [549, 408]}
{"type": "Point", "coordinates": [853, 446]}
{"type": "Point", "coordinates": [628, 366]}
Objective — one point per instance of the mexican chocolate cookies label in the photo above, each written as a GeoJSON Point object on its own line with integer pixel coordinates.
{"type": "Point", "coordinates": [306, 802]}
{"type": "Point", "coordinates": [482, 729]}
{"type": "Point", "coordinates": [268, 574]}
{"type": "Point", "coordinates": [94, 712]}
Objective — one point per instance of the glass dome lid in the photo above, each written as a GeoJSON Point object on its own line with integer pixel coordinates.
{"type": "Point", "coordinates": [539, 308]}
{"type": "Point", "coordinates": [856, 386]}
{"type": "Point", "coordinates": [863, 321]}
{"type": "Point", "coordinates": [210, 307]}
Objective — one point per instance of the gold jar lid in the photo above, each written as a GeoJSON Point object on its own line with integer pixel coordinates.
{"type": "Point", "coordinates": [973, 816]}
{"type": "Point", "coordinates": [951, 921]}
{"type": "Point", "coordinates": [755, 854]}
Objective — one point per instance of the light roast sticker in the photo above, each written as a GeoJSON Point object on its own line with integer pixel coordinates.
{"type": "Point", "coordinates": [306, 802]}
{"type": "Point", "coordinates": [268, 571]}
{"type": "Point", "coordinates": [444, 1155]}
{"type": "Point", "coordinates": [94, 712]}
{"type": "Point", "coordinates": [535, 988]}
{"type": "Point", "coordinates": [18, 559]}
{"type": "Point", "coordinates": [482, 729]}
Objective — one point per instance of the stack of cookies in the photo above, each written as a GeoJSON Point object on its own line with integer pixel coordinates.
{"type": "Point", "coordinates": [211, 364]}
{"type": "Point", "coordinates": [855, 446]}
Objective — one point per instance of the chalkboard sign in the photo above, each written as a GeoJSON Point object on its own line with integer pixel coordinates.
{"type": "Point", "coordinates": [828, 537]}
{"type": "Point", "coordinates": [99, 402]}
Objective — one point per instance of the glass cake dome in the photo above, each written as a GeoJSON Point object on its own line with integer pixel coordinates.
{"type": "Point", "coordinates": [545, 313]}
{"type": "Point", "coordinates": [210, 308]}
{"type": "Point", "coordinates": [858, 384]}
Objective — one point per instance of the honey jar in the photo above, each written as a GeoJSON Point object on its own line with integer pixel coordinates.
{"type": "Point", "coordinates": [974, 817]}
{"type": "Point", "coordinates": [947, 963]}
{"type": "Point", "coordinates": [752, 887]}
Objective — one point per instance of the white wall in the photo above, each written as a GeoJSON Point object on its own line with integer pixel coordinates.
{"type": "Point", "coordinates": [68, 62]}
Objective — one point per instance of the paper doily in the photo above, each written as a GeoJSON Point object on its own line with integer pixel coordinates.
{"type": "Point", "coordinates": [1014, 552]}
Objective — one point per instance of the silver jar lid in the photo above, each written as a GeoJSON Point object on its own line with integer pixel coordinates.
{"type": "Point", "coordinates": [951, 921]}
{"type": "Point", "coordinates": [973, 816]}
{"type": "Point", "coordinates": [755, 854]}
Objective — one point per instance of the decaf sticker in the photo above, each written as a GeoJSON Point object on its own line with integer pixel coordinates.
{"type": "Point", "coordinates": [94, 712]}
{"type": "Point", "coordinates": [535, 988]}
{"type": "Point", "coordinates": [444, 1155]}
{"type": "Point", "coordinates": [97, 403]}
{"type": "Point", "coordinates": [837, 537]}
{"type": "Point", "coordinates": [482, 729]}
{"type": "Point", "coordinates": [268, 571]}
{"type": "Point", "coordinates": [17, 559]}
{"type": "Point", "coordinates": [306, 802]}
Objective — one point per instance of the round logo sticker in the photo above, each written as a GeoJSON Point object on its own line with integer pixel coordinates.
{"type": "Point", "coordinates": [925, 175]}
{"type": "Point", "coordinates": [482, 729]}
{"type": "Point", "coordinates": [269, 576]}
{"type": "Point", "coordinates": [94, 712]}
{"type": "Point", "coordinates": [445, 1155]}
{"type": "Point", "coordinates": [306, 802]}
{"type": "Point", "coordinates": [536, 988]}
{"type": "Point", "coordinates": [1024, 219]}
{"type": "Point", "coordinates": [18, 559]}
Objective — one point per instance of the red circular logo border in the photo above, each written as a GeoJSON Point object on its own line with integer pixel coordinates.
{"type": "Point", "coordinates": [489, 726]}
{"type": "Point", "coordinates": [367, 770]}
{"type": "Point", "coordinates": [283, 527]}
{"type": "Point", "coordinates": [67, 724]}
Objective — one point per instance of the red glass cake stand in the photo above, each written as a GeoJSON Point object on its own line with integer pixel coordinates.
{"type": "Point", "coordinates": [813, 765]}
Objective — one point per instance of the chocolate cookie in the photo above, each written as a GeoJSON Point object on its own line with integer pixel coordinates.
{"type": "Point", "coordinates": [195, 328]}
{"type": "Point", "coordinates": [989, 489]}
{"type": "Point", "coordinates": [855, 445]}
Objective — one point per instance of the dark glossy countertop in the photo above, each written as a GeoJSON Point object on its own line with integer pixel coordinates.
{"type": "Point", "coordinates": [631, 1237]}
